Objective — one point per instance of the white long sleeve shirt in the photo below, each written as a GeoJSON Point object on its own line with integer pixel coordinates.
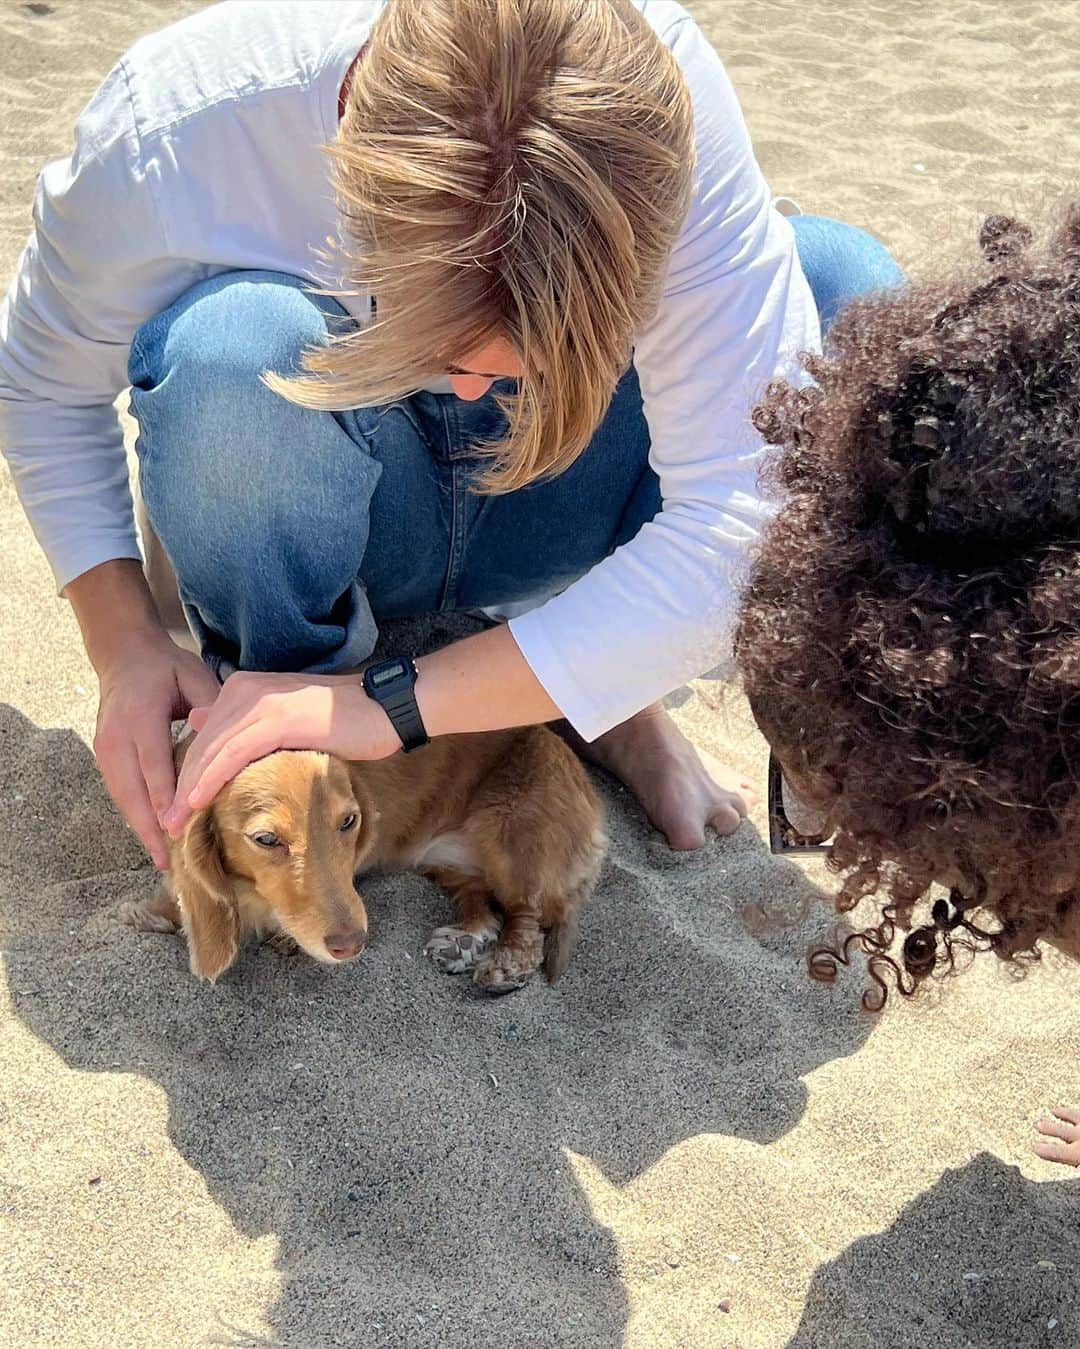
{"type": "Point", "coordinates": [201, 153]}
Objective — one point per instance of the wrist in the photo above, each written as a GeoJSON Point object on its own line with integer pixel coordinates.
{"type": "Point", "coordinates": [115, 612]}
{"type": "Point", "coordinates": [433, 699]}
{"type": "Point", "coordinates": [379, 738]}
{"type": "Point", "coordinates": [391, 685]}
{"type": "Point", "coordinates": [137, 644]}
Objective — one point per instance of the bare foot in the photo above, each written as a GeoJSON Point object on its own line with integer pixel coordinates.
{"type": "Point", "coordinates": [682, 789]}
{"type": "Point", "coordinates": [1064, 1129]}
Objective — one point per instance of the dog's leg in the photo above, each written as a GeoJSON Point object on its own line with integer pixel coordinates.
{"type": "Point", "coordinates": [538, 837]}
{"type": "Point", "coordinates": [459, 946]}
{"type": "Point", "coordinates": [161, 913]}
{"type": "Point", "coordinates": [539, 890]}
{"type": "Point", "coordinates": [516, 956]}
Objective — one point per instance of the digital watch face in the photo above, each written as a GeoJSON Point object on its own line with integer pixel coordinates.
{"type": "Point", "coordinates": [388, 674]}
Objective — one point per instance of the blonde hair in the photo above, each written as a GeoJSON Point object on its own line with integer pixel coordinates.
{"type": "Point", "coordinates": [513, 168]}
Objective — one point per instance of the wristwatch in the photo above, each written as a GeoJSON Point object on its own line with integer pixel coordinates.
{"type": "Point", "coordinates": [392, 684]}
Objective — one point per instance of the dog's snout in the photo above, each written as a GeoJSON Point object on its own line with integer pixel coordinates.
{"type": "Point", "coordinates": [344, 943]}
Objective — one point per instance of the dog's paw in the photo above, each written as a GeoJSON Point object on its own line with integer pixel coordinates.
{"type": "Point", "coordinates": [508, 968]}
{"type": "Point", "coordinates": [149, 915]}
{"type": "Point", "coordinates": [454, 949]}
{"type": "Point", "coordinates": [281, 943]}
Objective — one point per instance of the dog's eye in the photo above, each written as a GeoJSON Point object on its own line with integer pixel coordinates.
{"type": "Point", "coordinates": [348, 822]}
{"type": "Point", "coordinates": [266, 840]}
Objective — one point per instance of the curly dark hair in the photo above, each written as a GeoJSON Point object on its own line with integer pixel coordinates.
{"type": "Point", "coordinates": [910, 636]}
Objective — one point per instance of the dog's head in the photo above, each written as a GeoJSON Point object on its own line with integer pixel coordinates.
{"type": "Point", "coordinates": [278, 849]}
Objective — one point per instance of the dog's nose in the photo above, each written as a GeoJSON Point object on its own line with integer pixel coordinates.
{"type": "Point", "coordinates": [346, 942]}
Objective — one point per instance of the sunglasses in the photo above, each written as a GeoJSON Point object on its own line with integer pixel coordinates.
{"type": "Point", "coordinates": [783, 836]}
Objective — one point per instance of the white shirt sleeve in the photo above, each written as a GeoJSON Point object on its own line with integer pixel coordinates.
{"type": "Point", "coordinates": [736, 311]}
{"type": "Point", "coordinates": [94, 269]}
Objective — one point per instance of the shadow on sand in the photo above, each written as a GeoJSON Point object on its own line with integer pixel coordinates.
{"type": "Point", "coordinates": [403, 1138]}
{"type": "Point", "coordinates": [984, 1259]}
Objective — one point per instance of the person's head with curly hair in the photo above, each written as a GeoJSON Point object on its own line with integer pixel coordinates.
{"type": "Point", "coordinates": [910, 636]}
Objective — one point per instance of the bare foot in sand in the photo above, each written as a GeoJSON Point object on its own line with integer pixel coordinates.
{"type": "Point", "coordinates": [1063, 1127]}
{"type": "Point", "coordinates": [682, 789]}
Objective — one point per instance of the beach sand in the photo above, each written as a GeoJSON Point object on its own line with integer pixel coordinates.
{"type": "Point", "coordinates": [686, 1143]}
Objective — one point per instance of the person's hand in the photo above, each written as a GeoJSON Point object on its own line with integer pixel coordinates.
{"type": "Point", "coordinates": [256, 714]}
{"type": "Point", "coordinates": [1063, 1127]}
{"type": "Point", "coordinates": [147, 682]}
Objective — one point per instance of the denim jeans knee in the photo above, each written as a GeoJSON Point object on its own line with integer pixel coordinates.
{"type": "Point", "coordinates": [261, 505]}
{"type": "Point", "coordinates": [840, 262]}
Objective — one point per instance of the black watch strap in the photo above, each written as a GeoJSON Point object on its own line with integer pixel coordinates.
{"type": "Point", "coordinates": [392, 684]}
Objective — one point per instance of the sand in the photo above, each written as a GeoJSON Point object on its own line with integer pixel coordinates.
{"type": "Point", "coordinates": [374, 1157]}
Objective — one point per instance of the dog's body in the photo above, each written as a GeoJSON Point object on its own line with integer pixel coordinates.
{"type": "Point", "coordinates": [506, 822]}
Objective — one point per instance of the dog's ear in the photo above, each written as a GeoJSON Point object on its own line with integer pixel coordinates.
{"type": "Point", "coordinates": [206, 897]}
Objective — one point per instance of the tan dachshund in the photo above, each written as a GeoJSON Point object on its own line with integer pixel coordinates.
{"type": "Point", "coordinates": [507, 822]}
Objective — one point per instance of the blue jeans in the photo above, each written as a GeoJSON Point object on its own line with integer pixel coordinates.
{"type": "Point", "coordinates": [292, 532]}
